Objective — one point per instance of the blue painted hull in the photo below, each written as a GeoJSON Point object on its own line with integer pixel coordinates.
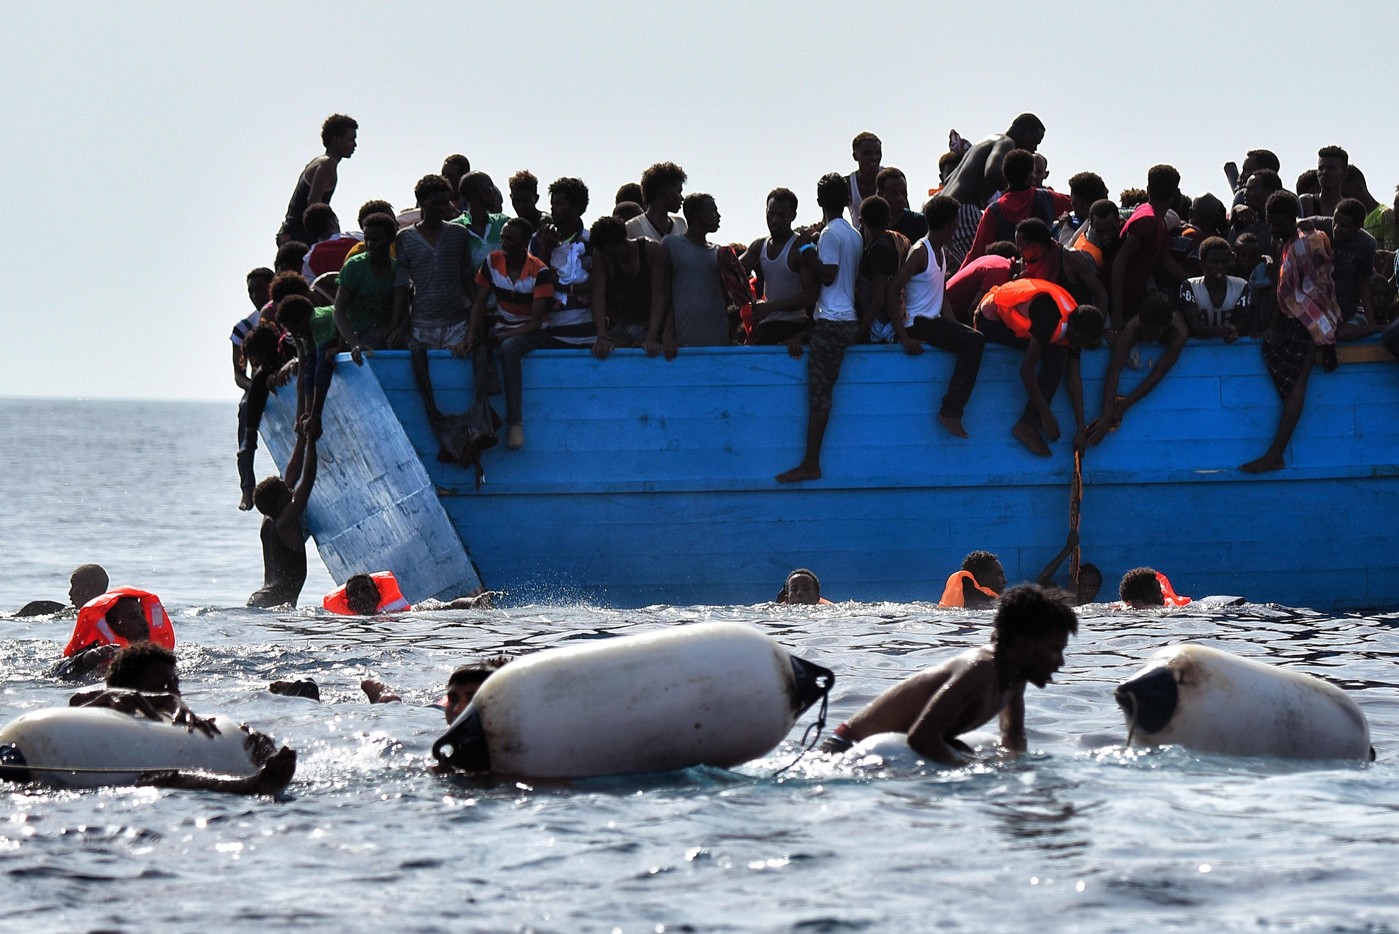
{"type": "Point", "coordinates": [645, 481]}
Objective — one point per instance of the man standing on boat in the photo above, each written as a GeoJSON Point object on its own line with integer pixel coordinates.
{"type": "Point", "coordinates": [317, 181]}
{"type": "Point", "coordinates": [695, 310]}
{"type": "Point", "coordinates": [837, 325]}
{"type": "Point", "coordinates": [978, 176]}
{"type": "Point", "coordinates": [661, 188]}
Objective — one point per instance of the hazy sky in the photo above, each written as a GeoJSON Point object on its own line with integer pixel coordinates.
{"type": "Point", "coordinates": [151, 148]}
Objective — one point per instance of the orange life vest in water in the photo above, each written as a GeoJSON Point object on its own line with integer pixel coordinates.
{"type": "Point", "coordinates": [92, 628]}
{"type": "Point", "coordinates": [952, 593]}
{"type": "Point", "coordinates": [390, 597]}
{"type": "Point", "coordinates": [1170, 597]}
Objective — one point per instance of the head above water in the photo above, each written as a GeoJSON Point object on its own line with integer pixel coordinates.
{"type": "Point", "coordinates": [128, 620]}
{"type": "Point", "coordinates": [464, 682]}
{"type": "Point", "coordinates": [87, 582]}
{"type": "Point", "coordinates": [987, 570]}
{"type": "Point", "coordinates": [1031, 628]}
{"type": "Point", "coordinates": [1140, 588]}
{"type": "Point", "coordinates": [144, 666]}
{"type": "Point", "coordinates": [362, 594]}
{"type": "Point", "coordinates": [802, 588]}
{"type": "Point", "coordinates": [1090, 581]}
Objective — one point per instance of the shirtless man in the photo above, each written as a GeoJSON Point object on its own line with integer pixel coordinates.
{"type": "Point", "coordinates": [317, 180]}
{"type": "Point", "coordinates": [86, 582]}
{"type": "Point", "coordinates": [142, 681]}
{"type": "Point", "coordinates": [935, 706]}
{"type": "Point", "coordinates": [282, 502]}
{"type": "Point", "coordinates": [978, 176]}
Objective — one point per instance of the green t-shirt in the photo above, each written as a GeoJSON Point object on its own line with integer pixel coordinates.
{"type": "Point", "coordinates": [369, 297]}
{"type": "Point", "coordinates": [323, 326]}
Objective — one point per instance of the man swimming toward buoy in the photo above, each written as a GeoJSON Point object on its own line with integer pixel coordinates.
{"type": "Point", "coordinates": [977, 585]}
{"type": "Point", "coordinates": [142, 681]}
{"type": "Point", "coordinates": [462, 685]}
{"type": "Point", "coordinates": [934, 707]}
{"type": "Point", "coordinates": [87, 581]}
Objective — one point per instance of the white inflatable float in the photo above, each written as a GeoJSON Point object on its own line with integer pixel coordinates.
{"type": "Point", "coordinates": [1211, 701]}
{"type": "Point", "coordinates": [88, 747]}
{"type": "Point", "coordinates": [705, 694]}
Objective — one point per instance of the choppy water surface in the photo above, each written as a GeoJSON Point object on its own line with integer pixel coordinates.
{"type": "Point", "coordinates": [1077, 835]}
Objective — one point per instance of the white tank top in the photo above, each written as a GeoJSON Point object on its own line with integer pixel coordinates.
{"type": "Point", "coordinates": [780, 282]}
{"type": "Point", "coordinates": [923, 293]}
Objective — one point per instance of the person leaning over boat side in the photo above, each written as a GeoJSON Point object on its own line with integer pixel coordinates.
{"type": "Point", "coordinates": [247, 377]}
{"type": "Point", "coordinates": [662, 187]}
{"type": "Point", "coordinates": [1156, 322]}
{"type": "Point", "coordinates": [892, 185]}
{"type": "Point", "coordinates": [432, 278]}
{"type": "Point", "coordinates": [837, 326]}
{"type": "Point", "coordinates": [695, 311]}
{"type": "Point", "coordinates": [1021, 200]}
{"type": "Point", "coordinates": [282, 502]}
{"type": "Point", "coordinates": [978, 583]}
{"type": "Point", "coordinates": [935, 706]}
{"type": "Point", "coordinates": [1143, 252]}
{"type": "Point", "coordinates": [626, 284]}
{"type": "Point", "coordinates": [789, 275]}
{"type": "Point", "coordinates": [965, 289]}
{"type": "Point", "coordinates": [1045, 321]}
{"type": "Point", "coordinates": [921, 280]}
{"type": "Point", "coordinates": [978, 176]}
{"type": "Point", "coordinates": [317, 180]}
{"type": "Point", "coordinates": [523, 288]}
{"type": "Point", "coordinates": [1305, 319]}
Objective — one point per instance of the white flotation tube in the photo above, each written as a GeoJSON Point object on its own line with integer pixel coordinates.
{"type": "Point", "coordinates": [88, 747]}
{"type": "Point", "coordinates": [1211, 701]}
{"type": "Point", "coordinates": [706, 694]}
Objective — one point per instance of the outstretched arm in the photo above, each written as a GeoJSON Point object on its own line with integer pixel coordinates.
{"type": "Point", "coordinates": [1046, 577]}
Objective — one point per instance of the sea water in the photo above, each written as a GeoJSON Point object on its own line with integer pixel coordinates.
{"type": "Point", "coordinates": [1079, 834]}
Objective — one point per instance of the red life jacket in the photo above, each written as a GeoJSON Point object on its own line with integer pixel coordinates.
{"type": "Point", "coordinates": [1010, 304]}
{"type": "Point", "coordinates": [1170, 597]}
{"type": "Point", "coordinates": [390, 597]}
{"type": "Point", "coordinates": [92, 625]}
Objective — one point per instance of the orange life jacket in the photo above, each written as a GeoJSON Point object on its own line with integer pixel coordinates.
{"type": "Point", "coordinates": [952, 593]}
{"type": "Point", "coordinates": [92, 627]}
{"type": "Point", "coordinates": [1083, 245]}
{"type": "Point", "coordinates": [390, 597]}
{"type": "Point", "coordinates": [1170, 596]}
{"type": "Point", "coordinates": [1010, 302]}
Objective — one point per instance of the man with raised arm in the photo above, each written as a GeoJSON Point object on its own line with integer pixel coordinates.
{"type": "Point", "coordinates": [317, 180]}
{"type": "Point", "coordinates": [978, 176]}
{"type": "Point", "coordinates": [282, 502]}
{"type": "Point", "coordinates": [837, 325]}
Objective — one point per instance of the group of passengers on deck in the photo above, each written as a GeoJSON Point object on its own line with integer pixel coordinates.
{"type": "Point", "coordinates": [995, 253]}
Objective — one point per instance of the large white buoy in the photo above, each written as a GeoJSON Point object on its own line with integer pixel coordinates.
{"type": "Point", "coordinates": [706, 694]}
{"type": "Point", "coordinates": [1211, 701]}
{"type": "Point", "coordinates": [88, 747]}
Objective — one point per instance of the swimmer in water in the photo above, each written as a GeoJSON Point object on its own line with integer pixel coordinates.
{"type": "Point", "coordinates": [802, 588]}
{"type": "Point", "coordinates": [363, 597]}
{"type": "Point", "coordinates": [1141, 589]}
{"type": "Point", "coordinates": [1085, 589]}
{"type": "Point", "coordinates": [87, 582]}
{"type": "Point", "coordinates": [977, 585]}
{"type": "Point", "coordinates": [126, 620]}
{"type": "Point", "coordinates": [142, 681]}
{"type": "Point", "coordinates": [462, 685]}
{"type": "Point", "coordinates": [935, 706]}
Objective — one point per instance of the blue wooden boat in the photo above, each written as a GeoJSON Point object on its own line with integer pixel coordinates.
{"type": "Point", "coordinates": [646, 481]}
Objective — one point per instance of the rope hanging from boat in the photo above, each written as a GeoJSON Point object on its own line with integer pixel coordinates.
{"type": "Point", "coordinates": [1075, 504]}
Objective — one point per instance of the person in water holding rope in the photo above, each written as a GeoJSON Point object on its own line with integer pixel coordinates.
{"type": "Point", "coordinates": [1083, 588]}
{"type": "Point", "coordinates": [935, 706]}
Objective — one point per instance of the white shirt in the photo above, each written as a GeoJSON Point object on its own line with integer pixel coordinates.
{"type": "Point", "coordinates": [839, 245]}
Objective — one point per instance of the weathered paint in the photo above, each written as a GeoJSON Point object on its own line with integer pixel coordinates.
{"type": "Point", "coordinates": [648, 481]}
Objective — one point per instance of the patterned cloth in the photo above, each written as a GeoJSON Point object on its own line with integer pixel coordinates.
{"type": "Point", "coordinates": [1286, 349]}
{"type": "Point", "coordinates": [1306, 291]}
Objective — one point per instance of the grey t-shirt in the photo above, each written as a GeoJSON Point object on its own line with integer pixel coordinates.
{"type": "Point", "coordinates": [435, 272]}
{"type": "Point", "coordinates": [697, 293]}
